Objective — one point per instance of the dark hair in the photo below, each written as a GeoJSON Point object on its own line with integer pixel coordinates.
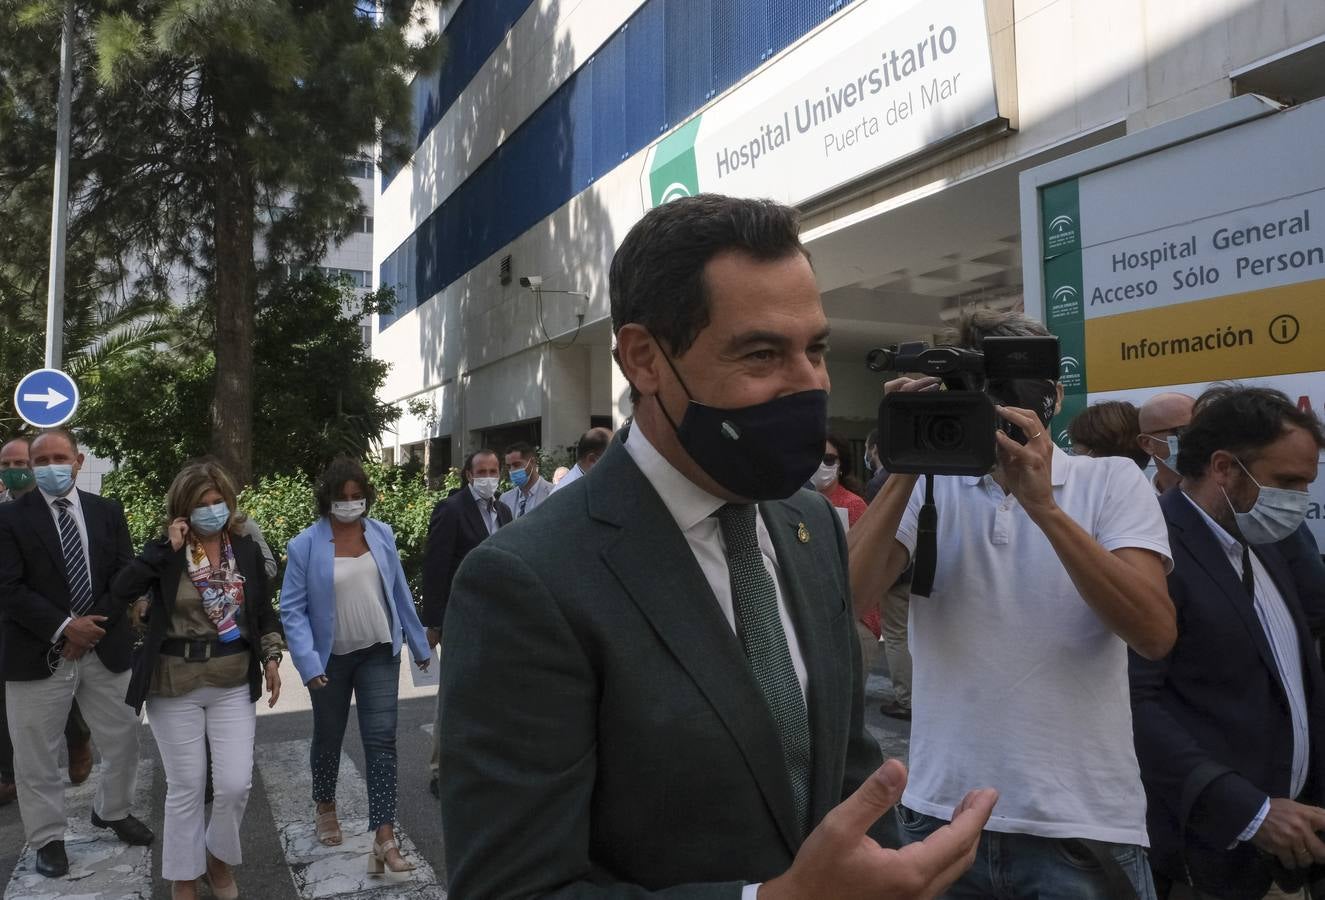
{"type": "Point", "coordinates": [1242, 421]}
{"type": "Point", "coordinates": [871, 440]}
{"type": "Point", "coordinates": [333, 477]}
{"type": "Point", "coordinates": [657, 275]}
{"type": "Point", "coordinates": [974, 327]}
{"type": "Point", "coordinates": [485, 451]}
{"type": "Point", "coordinates": [1109, 428]}
{"type": "Point", "coordinates": [523, 448]}
{"type": "Point", "coordinates": [595, 440]}
{"type": "Point", "coordinates": [844, 470]}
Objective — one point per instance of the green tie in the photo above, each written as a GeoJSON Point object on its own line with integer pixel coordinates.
{"type": "Point", "coordinates": [755, 601]}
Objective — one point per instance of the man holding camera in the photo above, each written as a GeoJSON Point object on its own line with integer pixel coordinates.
{"type": "Point", "coordinates": [1048, 569]}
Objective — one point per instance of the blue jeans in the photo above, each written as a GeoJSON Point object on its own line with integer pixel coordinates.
{"type": "Point", "coordinates": [372, 675]}
{"type": "Point", "coordinates": [1017, 866]}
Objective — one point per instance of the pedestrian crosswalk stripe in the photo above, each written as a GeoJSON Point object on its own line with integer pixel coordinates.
{"type": "Point", "coordinates": [319, 871]}
{"type": "Point", "coordinates": [101, 866]}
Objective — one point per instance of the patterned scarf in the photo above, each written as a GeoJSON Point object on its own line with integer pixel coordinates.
{"type": "Point", "coordinates": [222, 588]}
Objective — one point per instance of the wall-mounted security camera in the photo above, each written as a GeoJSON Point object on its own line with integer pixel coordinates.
{"type": "Point", "coordinates": [531, 281]}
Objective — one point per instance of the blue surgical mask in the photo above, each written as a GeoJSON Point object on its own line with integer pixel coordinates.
{"type": "Point", "coordinates": [1172, 441]}
{"type": "Point", "coordinates": [207, 520]}
{"type": "Point", "coordinates": [1276, 514]}
{"type": "Point", "coordinates": [56, 480]}
{"type": "Point", "coordinates": [519, 477]}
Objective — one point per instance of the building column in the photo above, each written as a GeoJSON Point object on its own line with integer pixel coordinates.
{"type": "Point", "coordinates": [566, 392]}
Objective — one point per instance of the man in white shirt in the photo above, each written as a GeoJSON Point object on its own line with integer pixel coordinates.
{"type": "Point", "coordinates": [1048, 569]}
{"type": "Point", "coordinates": [678, 709]}
{"type": "Point", "coordinates": [1230, 725]}
{"type": "Point", "coordinates": [530, 488]}
{"type": "Point", "coordinates": [591, 447]}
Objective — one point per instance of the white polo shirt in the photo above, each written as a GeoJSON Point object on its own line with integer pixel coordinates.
{"type": "Point", "coordinates": [1017, 683]}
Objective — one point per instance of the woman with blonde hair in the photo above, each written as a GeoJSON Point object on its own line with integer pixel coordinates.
{"type": "Point", "coordinates": [212, 639]}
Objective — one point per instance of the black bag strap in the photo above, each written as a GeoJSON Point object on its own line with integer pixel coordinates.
{"type": "Point", "coordinates": [927, 543]}
{"type": "Point", "coordinates": [1119, 883]}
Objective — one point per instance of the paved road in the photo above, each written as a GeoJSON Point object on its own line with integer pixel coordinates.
{"type": "Point", "coordinates": [282, 859]}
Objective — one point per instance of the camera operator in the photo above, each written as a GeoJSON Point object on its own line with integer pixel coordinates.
{"type": "Point", "coordinates": [1047, 570]}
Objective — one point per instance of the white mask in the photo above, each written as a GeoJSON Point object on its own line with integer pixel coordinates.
{"type": "Point", "coordinates": [348, 510]}
{"type": "Point", "coordinates": [825, 476]}
{"type": "Point", "coordinates": [1275, 515]}
{"type": "Point", "coordinates": [484, 487]}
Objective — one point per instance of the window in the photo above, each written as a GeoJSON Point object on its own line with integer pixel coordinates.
{"type": "Point", "coordinates": [357, 167]}
{"type": "Point", "coordinates": [360, 278]}
{"type": "Point", "coordinates": [366, 335]}
{"type": "Point", "coordinates": [362, 225]}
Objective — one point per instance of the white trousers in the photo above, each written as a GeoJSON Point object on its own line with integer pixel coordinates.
{"type": "Point", "coordinates": [183, 726]}
{"type": "Point", "coordinates": [37, 714]}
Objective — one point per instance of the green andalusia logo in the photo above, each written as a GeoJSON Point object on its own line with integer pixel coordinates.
{"type": "Point", "coordinates": [671, 171]}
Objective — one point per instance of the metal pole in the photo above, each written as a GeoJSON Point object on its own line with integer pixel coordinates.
{"type": "Point", "coordinates": [60, 201]}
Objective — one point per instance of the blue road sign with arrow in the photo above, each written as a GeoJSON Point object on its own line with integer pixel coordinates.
{"type": "Point", "coordinates": [46, 398]}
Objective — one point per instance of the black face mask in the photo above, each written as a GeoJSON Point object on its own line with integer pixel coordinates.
{"type": "Point", "coordinates": [1040, 397]}
{"type": "Point", "coordinates": [762, 452]}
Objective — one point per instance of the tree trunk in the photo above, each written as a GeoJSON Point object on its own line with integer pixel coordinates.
{"type": "Point", "coordinates": [236, 286]}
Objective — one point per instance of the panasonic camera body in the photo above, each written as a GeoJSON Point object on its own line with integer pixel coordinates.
{"type": "Point", "coordinates": [951, 431]}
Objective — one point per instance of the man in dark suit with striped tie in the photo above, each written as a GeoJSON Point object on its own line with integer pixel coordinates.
{"type": "Point", "coordinates": [65, 639]}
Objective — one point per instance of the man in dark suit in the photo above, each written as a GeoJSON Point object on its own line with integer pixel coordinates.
{"type": "Point", "coordinates": [1230, 726]}
{"type": "Point", "coordinates": [64, 638]}
{"type": "Point", "coordinates": [458, 525]}
{"type": "Point", "coordinates": [677, 706]}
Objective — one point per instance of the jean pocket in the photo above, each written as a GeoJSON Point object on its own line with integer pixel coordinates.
{"type": "Point", "coordinates": [1075, 852]}
{"type": "Point", "coordinates": [915, 822]}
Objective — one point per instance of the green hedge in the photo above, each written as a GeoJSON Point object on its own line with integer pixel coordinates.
{"type": "Point", "coordinates": [283, 506]}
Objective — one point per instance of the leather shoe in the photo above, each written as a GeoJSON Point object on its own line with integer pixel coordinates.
{"type": "Point", "coordinates": [80, 761]}
{"type": "Point", "coordinates": [8, 793]}
{"type": "Point", "coordinates": [51, 861]}
{"type": "Point", "coordinates": [894, 710]}
{"type": "Point", "coordinates": [434, 787]}
{"type": "Point", "coordinates": [128, 829]}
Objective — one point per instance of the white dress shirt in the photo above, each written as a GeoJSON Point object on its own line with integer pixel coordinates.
{"type": "Point", "coordinates": [1281, 634]}
{"type": "Point", "coordinates": [692, 507]}
{"type": "Point", "coordinates": [486, 510]}
{"type": "Point", "coordinates": [76, 511]}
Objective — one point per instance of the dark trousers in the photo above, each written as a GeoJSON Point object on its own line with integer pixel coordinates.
{"type": "Point", "coordinates": [76, 733]}
{"type": "Point", "coordinates": [372, 676]}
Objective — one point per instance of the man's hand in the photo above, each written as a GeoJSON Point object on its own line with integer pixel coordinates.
{"type": "Point", "coordinates": [1028, 468]}
{"type": "Point", "coordinates": [840, 860]}
{"type": "Point", "coordinates": [317, 682]}
{"type": "Point", "coordinates": [1289, 832]}
{"type": "Point", "coordinates": [907, 385]}
{"type": "Point", "coordinates": [84, 631]}
{"type": "Point", "coordinates": [72, 652]}
{"type": "Point", "coordinates": [434, 637]}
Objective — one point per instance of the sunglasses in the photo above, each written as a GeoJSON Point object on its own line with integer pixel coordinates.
{"type": "Point", "coordinates": [830, 459]}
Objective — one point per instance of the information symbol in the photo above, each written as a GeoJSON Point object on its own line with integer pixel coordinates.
{"type": "Point", "coordinates": [1284, 329]}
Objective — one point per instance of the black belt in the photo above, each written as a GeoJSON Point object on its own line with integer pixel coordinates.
{"type": "Point", "coordinates": [202, 650]}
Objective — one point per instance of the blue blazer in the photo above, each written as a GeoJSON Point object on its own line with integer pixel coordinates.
{"type": "Point", "coordinates": [308, 596]}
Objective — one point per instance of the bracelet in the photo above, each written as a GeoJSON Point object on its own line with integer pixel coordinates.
{"type": "Point", "coordinates": [272, 657]}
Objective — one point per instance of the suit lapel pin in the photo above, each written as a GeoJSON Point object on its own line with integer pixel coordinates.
{"type": "Point", "coordinates": [802, 533]}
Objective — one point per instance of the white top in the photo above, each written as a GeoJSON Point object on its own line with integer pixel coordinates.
{"type": "Point", "coordinates": [485, 510]}
{"type": "Point", "coordinates": [692, 507]}
{"type": "Point", "coordinates": [1017, 683]}
{"type": "Point", "coordinates": [534, 496]}
{"type": "Point", "coordinates": [575, 474]}
{"type": "Point", "coordinates": [361, 617]}
{"type": "Point", "coordinates": [75, 510]}
{"type": "Point", "coordinates": [1281, 634]}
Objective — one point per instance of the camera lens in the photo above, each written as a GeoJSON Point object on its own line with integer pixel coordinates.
{"type": "Point", "coordinates": [945, 433]}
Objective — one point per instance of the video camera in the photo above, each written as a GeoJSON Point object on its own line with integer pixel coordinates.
{"type": "Point", "coordinates": [951, 432]}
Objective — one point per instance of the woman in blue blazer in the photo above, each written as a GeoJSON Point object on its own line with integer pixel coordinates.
{"type": "Point", "coordinates": [346, 606]}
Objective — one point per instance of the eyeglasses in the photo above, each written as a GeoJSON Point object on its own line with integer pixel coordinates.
{"type": "Point", "coordinates": [830, 459]}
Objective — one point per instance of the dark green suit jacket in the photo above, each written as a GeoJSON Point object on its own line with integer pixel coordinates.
{"type": "Point", "coordinates": [603, 734]}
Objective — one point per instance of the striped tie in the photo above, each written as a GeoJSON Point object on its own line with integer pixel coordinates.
{"type": "Point", "coordinates": [75, 563]}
